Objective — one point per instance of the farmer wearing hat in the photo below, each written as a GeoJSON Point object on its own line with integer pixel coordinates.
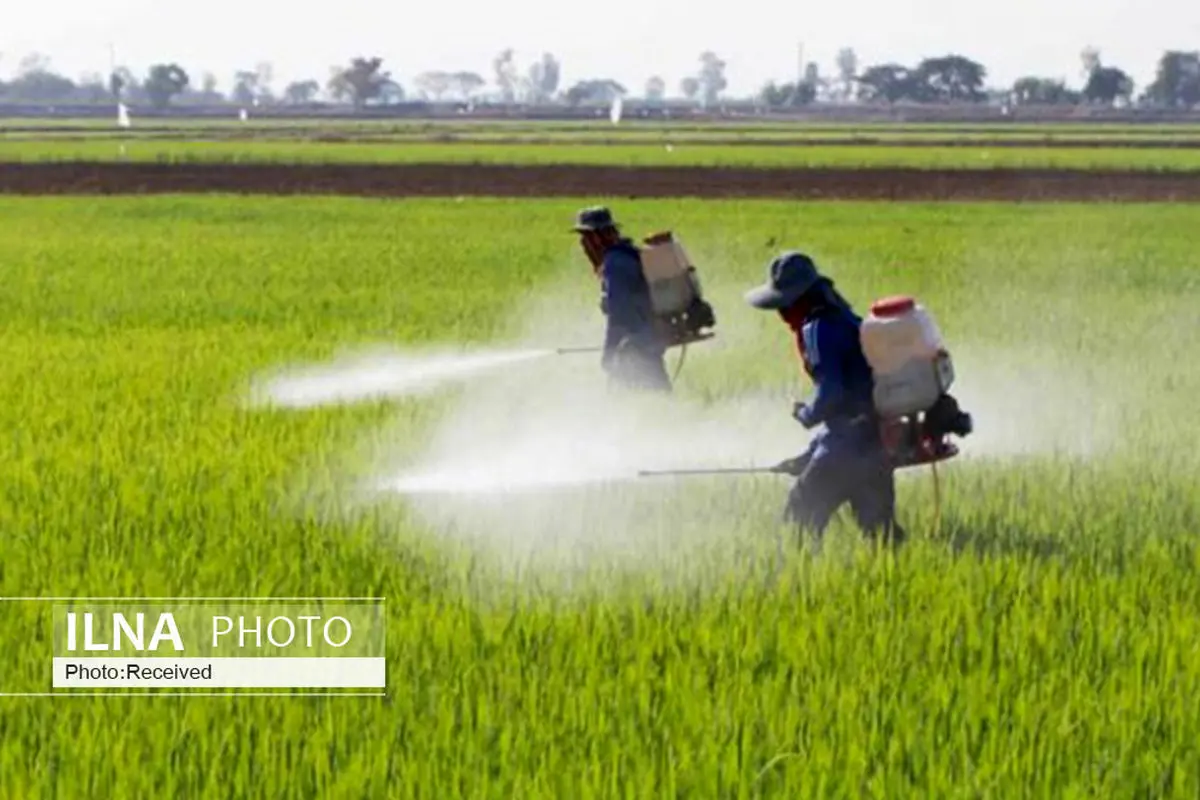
{"type": "Point", "coordinates": [846, 461]}
{"type": "Point", "coordinates": [633, 348]}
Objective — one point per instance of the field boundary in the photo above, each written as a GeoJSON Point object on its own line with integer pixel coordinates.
{"type": "Point", "coordinates": [966, 141]}
{"type": "Point", "coordinates": [580, 180]}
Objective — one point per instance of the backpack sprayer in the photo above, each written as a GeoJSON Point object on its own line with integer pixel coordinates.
{"type": "Point", "coordinates": [912, 373]}
{"type": "Point", "coordinates": [682, 315]}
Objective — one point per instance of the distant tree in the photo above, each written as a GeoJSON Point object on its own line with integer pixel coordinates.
{"type": "Point", "coordinates": [434, 84]}
{"type": "Point", "coordinates": [773, 95]}
{"type": "Point", "coordinates": [36, 80]}
{"type": "Point", "coordinates": [656, 89]}
{"type": "Point", "coordinates": [1106, 85]}
{"type": "Point", "coordinates": [253, 87]}
{"type": "Point", "coordinates": [265, 74]}
{"type": "Point", "coordinates": [543, 78]}
{"type": "Point", "coordinates": [336, 86]}
{"type": "Point", "coordinates": [1034, 91]}
{"type": "Point", "coordinates": [505, 70]}
{"type": "Point", "coordinates": [163, 82]}
{"type": "Point", "coordinates": [711, 77]}
{"type": "Point", "coordinates": [467, 83]}
{"type": "Point", "coordinates": [594, 90]}
{"type": "Point", "coordinates": [886, 83]}
{"type": "Point", "coordinates": [362, 81]}
{"type": "Point", "coordinates": [813, 86]}
{"type": "Point", "coordinates": [1089, 58]}
{"type": "Point", "coordinates": [42, 85]}
{"type": "Point", "coordinates": [949, 79]}
{"type": "Point", "coordinates": [245, 87]}
{"type": "Point", "coordinates": [301, 92]}
{"type": "Point", "coordinates": [391, 92]}
{"type": "Point", "coordinates": [1177, 81]}
{"type": "Point", "coordinates": [788, 95]}
{"type": "Point", "coordinates": [690, 87]}
{"type": "Point", "coordinates": [91, 88]}
{"type": "Point", "coordinates": [847, 66]}
{"type": "Point", "coordinates": [123, 83]}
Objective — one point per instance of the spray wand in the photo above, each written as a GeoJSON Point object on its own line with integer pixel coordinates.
{"type": "Point", "coordinates": [791, 466]}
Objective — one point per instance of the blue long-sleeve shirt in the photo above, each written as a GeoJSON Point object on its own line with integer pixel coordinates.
{"type": "Point", "coordinates": [625, 301]}
{"type": "Point", "coordinates": [833, 357]}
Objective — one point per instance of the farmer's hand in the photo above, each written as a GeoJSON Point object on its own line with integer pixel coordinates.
{"type": "Point", "coordinates": [793, 466]}
{"type": "Point", "coordinates": [800, 413]}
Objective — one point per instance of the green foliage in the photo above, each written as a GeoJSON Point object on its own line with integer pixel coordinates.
{"type": "Point", "coordinates": [1039, 643]}
{"type": "Point", "coordinates": [1034, 91]}
{"type": "Point", "coordinates": [945, 79]}
{"type": "Point", "coordinates": [690, 153]}
{"type": "Point", "coordinates": [362, 81]}
{"type": "Point", "coordinates": [1177, 80]}
{"type": "Point", "coordinates": [164, 82]}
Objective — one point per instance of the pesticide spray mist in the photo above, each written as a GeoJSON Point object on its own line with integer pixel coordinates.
{"type": "Point", "coordinates": [535, 464]}
{"type": "Point", "coordinates": [550, 478]}
{"type": "Point", "coordinates": [382, 373]}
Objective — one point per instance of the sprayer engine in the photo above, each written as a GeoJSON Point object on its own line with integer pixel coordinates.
{"type": "Point", "coordinates": [683, 315]}
{"type": "Point", "coordinates": [924, 437]}
{"type": "Point", "coordinates": [912, 373]}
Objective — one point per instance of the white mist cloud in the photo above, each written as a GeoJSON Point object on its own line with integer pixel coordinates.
{"type": "Point", "coordinates": [380, 373]}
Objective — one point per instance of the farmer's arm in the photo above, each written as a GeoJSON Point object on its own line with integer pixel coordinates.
{"type": "Point", "coordinates": [826, 344]}
{"type": "Point", "coordinates": [625, 299]}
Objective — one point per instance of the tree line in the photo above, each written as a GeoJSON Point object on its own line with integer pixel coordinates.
{"type": "Point", "coordinates": [364, 81]}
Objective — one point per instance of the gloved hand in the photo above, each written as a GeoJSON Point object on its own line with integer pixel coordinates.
{"type": "Point", "coordinates": [794, 466]}
{"type": "Point", "coordinates": [802, 414]}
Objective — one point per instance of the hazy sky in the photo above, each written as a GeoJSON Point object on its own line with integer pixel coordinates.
{"type": "Point", "coordinates": [628, 40]}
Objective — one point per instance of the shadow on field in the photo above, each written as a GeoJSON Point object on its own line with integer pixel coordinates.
{"type": "Point", "coordinates": [985, 536]}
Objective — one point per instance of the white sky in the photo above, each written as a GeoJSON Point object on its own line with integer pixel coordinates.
{"type": "Point", "coordinates": [627, 40]}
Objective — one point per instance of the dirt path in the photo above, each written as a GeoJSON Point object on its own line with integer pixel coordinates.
{"type": "Point", "coordinates": [450, 180]}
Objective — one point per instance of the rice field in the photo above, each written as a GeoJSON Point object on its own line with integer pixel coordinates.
{"type": "Point", "coordinates": [602, 132]}
{"type": "Point", "coordinates": [615, 154]}
{"type": "Point", "coordinates": [630, 124]}
{"type": "Point", "coordinates": [1039, 638]}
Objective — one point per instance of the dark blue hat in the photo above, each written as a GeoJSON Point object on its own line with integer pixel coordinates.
{"type": "Point", "coordinates": [789, 276]}
{"type": "Point", "coordinates": [596, 218]}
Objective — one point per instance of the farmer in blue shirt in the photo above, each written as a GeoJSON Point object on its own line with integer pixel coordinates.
{"type": "Point", "coordinates": [633, 346]}
{"type": "Point", "coordinates": [846, 461]}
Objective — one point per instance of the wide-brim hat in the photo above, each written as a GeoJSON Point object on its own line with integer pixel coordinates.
{"type": "Point", "coordinates": [789, 277]}
{"type": "Point", "coordinates": [595, 218]}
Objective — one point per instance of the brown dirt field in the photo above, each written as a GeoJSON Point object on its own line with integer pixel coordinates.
{"type": "Point", "coordinates": [415, 139]}
{"type": "Point", "coordinates": [1047, 143]}
{"type": "Point", "coordinates": [452, 180]}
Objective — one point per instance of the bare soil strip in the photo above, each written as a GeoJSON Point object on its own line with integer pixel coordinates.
{"type": "Point", "coordinates": [1050, 141]}
{"type": "Point", "coordinates": [500, 180]}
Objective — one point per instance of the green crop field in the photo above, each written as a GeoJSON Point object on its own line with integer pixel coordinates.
{"type": "Point", "coordinates": [630, 124]}
{"type": "Point", "coordinates": [284, 152]}
{"type": "Point", "coordinates": [1042, 638]}
{"type": "Point", "coordinates": [600, 132]}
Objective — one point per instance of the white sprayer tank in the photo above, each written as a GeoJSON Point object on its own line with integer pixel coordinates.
{"type": "Point", "coordinates": [669, 273]}
{"type": "Point", "coordinates": [908, 360]}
